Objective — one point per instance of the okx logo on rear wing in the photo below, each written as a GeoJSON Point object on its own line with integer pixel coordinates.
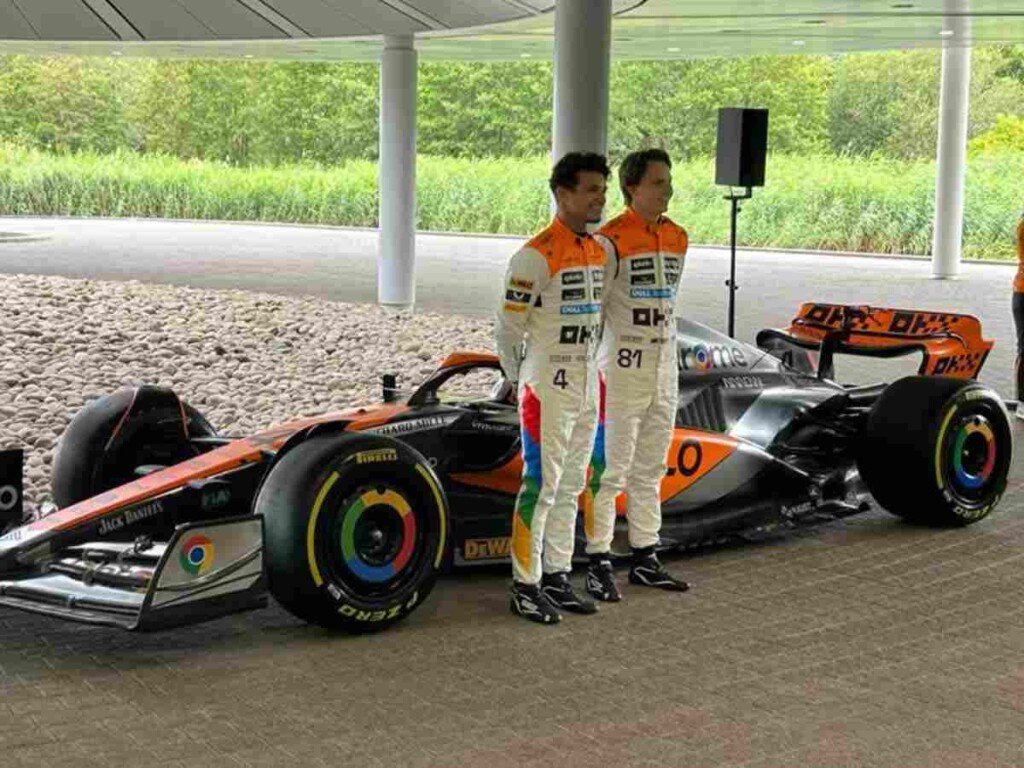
{"type": "Point", "coordinates": [951, 344]}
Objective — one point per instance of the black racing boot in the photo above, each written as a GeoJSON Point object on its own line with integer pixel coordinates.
{"type": "Point", "coordinates": [557, 588]}
{"type": "Point", "coordinates": [600, 581]}
{"type": "Point", "coordinates": [530, 603]}
{"type": "Point", "coordinates": [648, 572]}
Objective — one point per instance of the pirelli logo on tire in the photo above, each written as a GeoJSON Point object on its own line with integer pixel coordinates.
{"type": "Point", "coordinates": [391, 612]}
{"type": "Point", "coordinates": [378, 456]}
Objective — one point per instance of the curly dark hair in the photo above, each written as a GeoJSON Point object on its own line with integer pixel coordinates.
{"type": "Point", "coordinates": [634, 166]}
{"type": "Point", "coordinates": [566, 172]}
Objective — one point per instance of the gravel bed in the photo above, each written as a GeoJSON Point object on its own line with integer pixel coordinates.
{"type": "Point", "coordinates": [246, 360]}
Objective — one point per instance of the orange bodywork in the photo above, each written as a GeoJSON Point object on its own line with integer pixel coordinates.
{"type": "Point", "coordinates": [505, 478]}
{"type": "Point", "coordinates": [469, 358]}
{"type": "Point", "coordinates": [952, 344]}
{"type": "Point", "coordinates": [692, 454]}
{"type": "Point", "coordinates": [224, 459]}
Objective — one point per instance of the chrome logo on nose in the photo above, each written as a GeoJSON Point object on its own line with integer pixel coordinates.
{"type": "Point", "coordinates": [197, 555]}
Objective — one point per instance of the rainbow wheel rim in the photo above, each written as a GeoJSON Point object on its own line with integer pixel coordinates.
{"type": "Point", "coordinates": [378, 534]}
{"type": "Point", "coordinates": [973, 453]}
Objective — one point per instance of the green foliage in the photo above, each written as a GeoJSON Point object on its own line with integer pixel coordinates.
{"type": "Point", "coordinates": [65, 104]}
{"type": "Point", "coordinates": [887, 103]}
{"type": "Point", "coordinates": [267, 113]}
{"type": "Point", "coordinates": [819, 202]}
{"type": "Point", "coordinates": [1012, 62]}
{"type": "Point", "coordinates": [255, 112]}
{"type": "Point", "coordinates": [296, 141]}
{"type": "Point", "coordinates": [674, 105]}
{"type": "Point", "coordinates": [284, 112]}
{"type": "Point", "coordinates": [1007, 134]}
{"type": "Point", "coordinates": [475, 110]}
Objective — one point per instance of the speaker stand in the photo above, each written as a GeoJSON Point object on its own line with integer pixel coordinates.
{"type": "Point", "coordinates": [731, 282]}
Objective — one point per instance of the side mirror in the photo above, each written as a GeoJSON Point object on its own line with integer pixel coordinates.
{"type": "Point", "coordinates": [390, 386]}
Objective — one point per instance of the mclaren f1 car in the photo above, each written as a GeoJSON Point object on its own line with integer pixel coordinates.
{"type": "Point", "coordinates": [347, 518]}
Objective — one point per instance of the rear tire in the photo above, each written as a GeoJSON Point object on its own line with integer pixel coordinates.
{"type": "Point", "coordinates": [113, 435]}
{"type": "Point", "coordinates": [936, 450]}
{"type": "Point", "coordinates": [355, 529]}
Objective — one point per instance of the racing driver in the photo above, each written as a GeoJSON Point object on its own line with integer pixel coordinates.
{"type": "Point", "coordinates": [551, 301]}
{"type": "Point", "coordinates": [639, 385]}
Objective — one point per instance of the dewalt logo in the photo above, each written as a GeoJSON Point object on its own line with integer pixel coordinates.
{"type": "Point", "coordinates": [486, 549]}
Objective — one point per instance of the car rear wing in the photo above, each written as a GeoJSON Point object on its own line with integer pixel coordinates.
{"type": "Point", "coordinates": [951, 344]}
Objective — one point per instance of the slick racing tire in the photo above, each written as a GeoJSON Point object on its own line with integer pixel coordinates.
{"type": "Point", "coordinates": [111, 436]}
{"type": "Point", "coordinates": [936, 450]}
{"type": "Point", "coordinates": [355, 528]}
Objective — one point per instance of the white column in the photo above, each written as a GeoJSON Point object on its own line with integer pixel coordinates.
{"type": "Point", "coordinates": [583, 39]}
{"type": "Point", "coordinates": [954, 102]}
{"type": "Point", "coordinates": [396, 265]}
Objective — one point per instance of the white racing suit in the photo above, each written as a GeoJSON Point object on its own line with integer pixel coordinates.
{"type": "Point", "coordinates": [640, 384]}
{"type": "Point", "coordinates": [552, 300]}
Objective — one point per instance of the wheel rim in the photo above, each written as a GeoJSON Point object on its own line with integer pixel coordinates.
{"type": "Point", "coordinates": [974, 453]}
{"type": "Point", "coordinates": [972, 457]}
{"type": "Point", "coordinates": [374, 537]}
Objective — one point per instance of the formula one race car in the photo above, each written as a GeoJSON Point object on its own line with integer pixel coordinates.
{"type": "Point", "coordinates": [348, 517]}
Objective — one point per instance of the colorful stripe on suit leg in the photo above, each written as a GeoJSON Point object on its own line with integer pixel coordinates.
{"type": "Point", "coordinates": [598, 464]}
{"type": "Point", "coordinates": [526, 502]}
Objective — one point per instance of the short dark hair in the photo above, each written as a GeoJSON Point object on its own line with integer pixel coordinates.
{"type": "Point", "coordinates": [634, 166]}
{"type": "Point", "coordinates": [566, 172]}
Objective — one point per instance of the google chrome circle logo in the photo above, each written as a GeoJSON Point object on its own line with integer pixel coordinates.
{"type": "Point", "coordinates": [701, 357]}
{"type": "Point", "coordinates": [197, 555]}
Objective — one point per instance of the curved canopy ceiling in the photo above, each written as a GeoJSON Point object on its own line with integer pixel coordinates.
{"type": "Point", "coordinates": [487, 29]}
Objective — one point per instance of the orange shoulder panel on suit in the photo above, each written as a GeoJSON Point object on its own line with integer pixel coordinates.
{"type": "Point", "coordinates": [631, 234]}
{"type": "Point", "coordinates": [557, 244]}
{"type": "Point", "coordinates": [681, 239]}
{"type": "Point", "coordinates": [542, 240]}
{"type": "Point", "coordinates": [615, 225]}
{"type": "Point", "coordinates": [634, 236]}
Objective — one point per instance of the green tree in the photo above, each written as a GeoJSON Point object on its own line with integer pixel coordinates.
{"type": "Point", "coordinates": [888, 103]}
{"type": "Point", "coordinates": [484, 110]}
{"type": "Point", "coordinates": [674, 104]}
{"type": "Point", "coordinates": [317, 112]}
{"type": "Point", "coordinates": [67, 104]}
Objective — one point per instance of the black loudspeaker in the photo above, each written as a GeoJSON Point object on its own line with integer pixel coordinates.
{"type": "Point", "coordinates": [742, 143]}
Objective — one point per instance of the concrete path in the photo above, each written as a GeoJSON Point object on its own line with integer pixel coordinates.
{"type": "Point", "coordinates": [463, 274]}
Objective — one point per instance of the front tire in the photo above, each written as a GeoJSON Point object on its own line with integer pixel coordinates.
{"type": "Point", "coordinates": [111, 436]}
{"type": "Point", "coordinates": [355, 529]}
{"type": "Point", "coordinates": [937, 450]}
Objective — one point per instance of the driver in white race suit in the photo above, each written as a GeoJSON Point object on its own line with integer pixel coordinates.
{"type": "Point", "coordinates": [551, 300]}
{"type": "Point", "coordinates": [640, 380]}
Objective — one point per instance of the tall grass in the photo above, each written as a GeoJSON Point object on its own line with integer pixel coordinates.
{"type": "Point", "coordinates": [826, 202]}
